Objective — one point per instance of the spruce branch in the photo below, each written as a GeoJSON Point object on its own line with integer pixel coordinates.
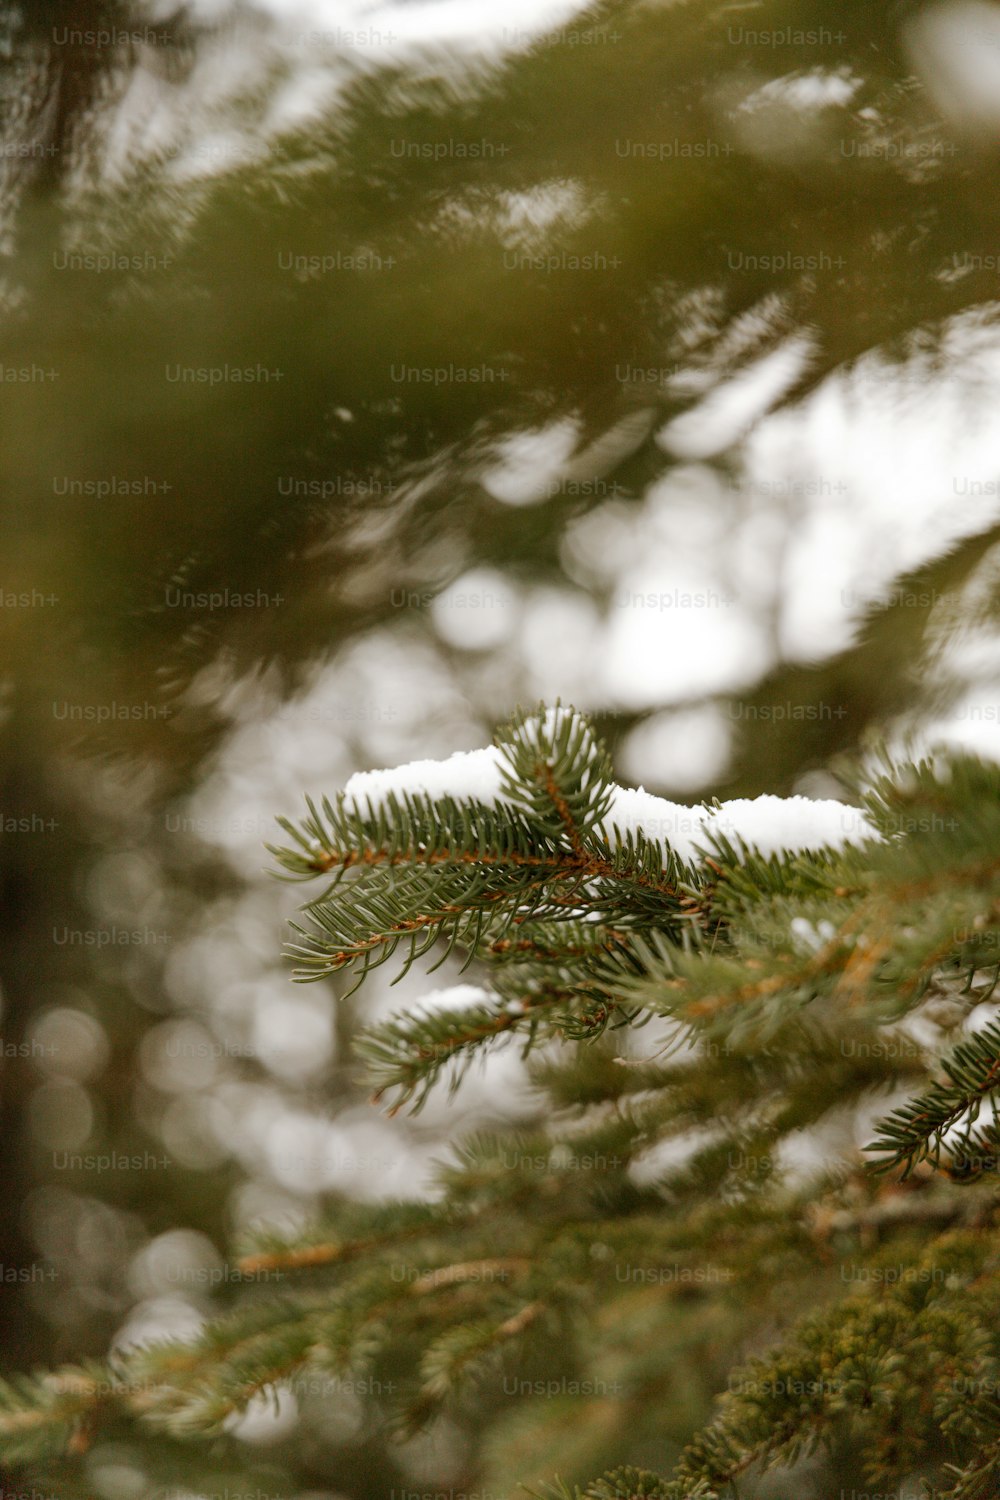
{"type": "Point", "coordinates": [356, 1232]}
{"type": "Point", "coordinates": [627, 1484]}
{"type": "Point", "coordinates": [409, 1051]}
{"type": "Point", "coordinates": [555, 767]}
{"type": "Point", "coordinates": [462, 1353]}
{"type": "Point", "coordinates": [978, 1480]}
{"type": "Point", "coordinates": [474, 902]}
{"type": "Point", "coordinates": [920, 1131]}
{"type": "Point", "coordinates": [789, 987]}
{"type": "Point", "coordinates": [54, 1413]}
{"type": "Point", "coordinates": [884, 1363]}
{"type": "Point", "coordinates": [427, 868]}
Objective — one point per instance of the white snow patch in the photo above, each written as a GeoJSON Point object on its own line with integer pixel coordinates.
{"type": "Point", "coordinates": [771, 824]}
{"type": "Point", "coordinates": [457, 997]}
{"type": "Point", "coordinates": [638, 811]}
{"type": "Point", "coordinates": [789, 824]}
{"type": "Point", "coordinates": [468, 776]}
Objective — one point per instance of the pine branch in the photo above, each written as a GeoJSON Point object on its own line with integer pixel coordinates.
{"type": "Point", "coordinates": [357, 1231]}
{"type": "Point", "coordinates": [556, 768]}
{"type": "Point", "coordinates": [567, 943]}
{"type": "Point", "coordinates": [784, 987]}
{"type": "Point", "coordinates": [978, 1480]}
{"type": "Point", "coordinates": [628, 1484]}
{"type": "Point", "coordinates": [473, 904]}
{"type": "Point", "coordinates": [408, 1052]}
{"type": "Point", "coordinates": [465, 1351]}
{"type": "Point", "coordinates": [55, 1413]}
{"type": "Point", "coordinates": [191, 1387]}
{"type": "Point", "coordinates": [429, 868]}
{"type": "Point", "coordinates": [410, 828]}
{"type": "Point", "coordinates": [885, 1365]}
{"type": "Point", "coordinates": [921, 1130]}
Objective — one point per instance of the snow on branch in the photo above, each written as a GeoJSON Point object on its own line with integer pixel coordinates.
{"type": "Point", "coordinates": [773, 825]}
{"type": "Point", "coordinates": [470, 776]}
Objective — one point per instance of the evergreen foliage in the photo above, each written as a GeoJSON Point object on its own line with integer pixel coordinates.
{"type": "Point", "coordinates": [713, 1194]}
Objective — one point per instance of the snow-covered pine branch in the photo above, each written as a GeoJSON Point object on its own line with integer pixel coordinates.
{"type": "Point", "coordinates": [772, 825]}
{"type": "Point", "coordinates": [529, 858]}
{"type": "Point", "coordinates": [815, 957]}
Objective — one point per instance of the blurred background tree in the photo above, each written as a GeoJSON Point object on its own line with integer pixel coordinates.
{"type": "Point", "coordinates": [644, 354]}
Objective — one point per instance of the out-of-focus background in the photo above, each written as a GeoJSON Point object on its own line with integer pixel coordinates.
{"type": "Point", "coordinates": [367, 370]}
